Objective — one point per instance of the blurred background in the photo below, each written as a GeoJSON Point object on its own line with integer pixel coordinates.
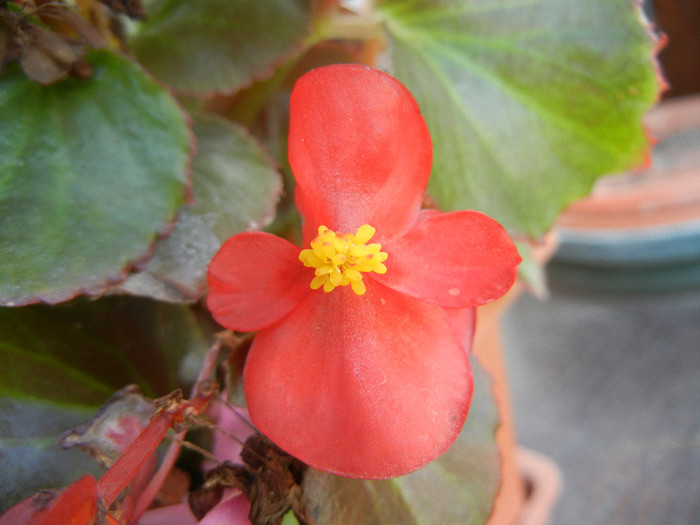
{"type": "Point", "coordinates": [605, 372]}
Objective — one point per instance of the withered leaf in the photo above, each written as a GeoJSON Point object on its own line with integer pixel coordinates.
{"type": "Point", "coordinates": [75, 21]}
{"type": "Point", "coordinates": [112, 429]}
{"type": "Point", "coordinates": [49, 57]}
{"type": "Point", "coordinates": [132, 8]}
{"type": "Point", "coordinates": [270, 479]}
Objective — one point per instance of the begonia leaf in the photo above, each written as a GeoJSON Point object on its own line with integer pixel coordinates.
{"type": "Point", "coordinates": [60, 363]}
{"type": "Point", "coordinates": [458, 487]}
{"type": "Point", "coordinates": [91, 172]}
{"type": "Point", "coordinates": [527, 102]}
{"type": "Point", "coordinates": [218, 45]}
{"type": "Point", "coordinates": [95, 347]}
{"type": "Point", "coordinates": [29, 453]}
{"type": "Point", "coordinates": [235, 188]}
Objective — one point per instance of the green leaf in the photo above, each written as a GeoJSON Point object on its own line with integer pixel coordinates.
{"type": "Point", "coordinates": [29, 453]}
{"type": "Point", "coordinates": [60, 363]}
{"type": "Point", "coordinates": [528, 102]}
{"type": "Point", "coordinates": [235, 188]}
{"type": "Point", "coordinates": [290, 519]}
{"type": "Point", "coordinates": [78, 354]}
{"type": "Point", "coordinates": [218, 45]}
{"type": "Point", "coordinates": [532, 271]}
{"type": "Point", "coordinates": [459, 487]}
{"type": "Point", "coordinates": [91, 171]}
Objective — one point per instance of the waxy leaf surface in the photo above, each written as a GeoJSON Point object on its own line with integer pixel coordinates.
{"type": "Point", "coordinates": [458, 487]}
{"type": "Point", "coordinates": [218, 45]}
{"type": "Point", "coordinates": [527, 102]}
{"type": "Point", "coordinates": [29, 453]}
{"type": "Point", "coordinates": [235, 188]}
{"type": "Point", "coordinates": [91, 172]}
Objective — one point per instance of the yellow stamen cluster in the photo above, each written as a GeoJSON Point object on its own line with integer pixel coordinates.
{"type": "Point", "coordinates": [340, 260]}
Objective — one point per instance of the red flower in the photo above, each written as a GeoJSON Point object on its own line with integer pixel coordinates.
{"type": "Point", "coordinates": [357, 368]}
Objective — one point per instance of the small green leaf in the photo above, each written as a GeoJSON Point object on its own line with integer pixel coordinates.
{"type": "Point", "coordinates": [91, 172]}
{"type": "Point", "coordinates": [218, 45]}
{"type": "Point", "coordinates": [290, 519]}
{"type": "Point", "coordinates": [235, 188]}
{"type": "Point", "coordinates": [458, 487]}
{"type": "Point", "coordinates": [531, 271]}
{"type": "Point", "coordinates": [527, 102]}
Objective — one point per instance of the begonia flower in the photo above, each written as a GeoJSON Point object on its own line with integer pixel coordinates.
{"type": "Point", "coordinates": [358, 367]}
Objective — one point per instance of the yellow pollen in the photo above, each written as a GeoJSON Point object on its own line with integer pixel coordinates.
{"type": "Point", "coordinates": [340, 260]}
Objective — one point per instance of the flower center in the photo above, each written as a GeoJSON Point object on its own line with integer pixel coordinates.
{"type": "Point", "coordinates": [341, 259]}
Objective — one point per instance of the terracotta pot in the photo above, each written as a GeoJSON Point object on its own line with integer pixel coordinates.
{"type": "Point", "coordinates": [530, 483]}
{"type": "Point", "coordinates": [542, 487]}
{"type": "Point", "coordinates": [488, 349]}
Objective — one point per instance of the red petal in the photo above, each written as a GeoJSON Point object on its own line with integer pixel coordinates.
{"type": "Point", "coordinates": [359, 149]}
{"type": "Point", "coordinates": [367, 387]}
{"type": "Point", "coordinates": [463, 321]}
{"type": "Point", "coordinates": [461, 259]}
{"type": "Point", "coordinates": [254, 280]}
{"type": "Point", "coordinates": [76, 504]}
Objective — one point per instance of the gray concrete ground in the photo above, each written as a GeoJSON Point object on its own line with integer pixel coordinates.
{"type": "Point", "coordinates": [608, 385]}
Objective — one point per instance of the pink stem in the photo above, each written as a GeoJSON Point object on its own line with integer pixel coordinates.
{"type": "Point", "coordinates": [156, 482]}
{"type": "Point", "coordinates": [110, 485]}
{"type": "Point", "coordinates": [154, 485]}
